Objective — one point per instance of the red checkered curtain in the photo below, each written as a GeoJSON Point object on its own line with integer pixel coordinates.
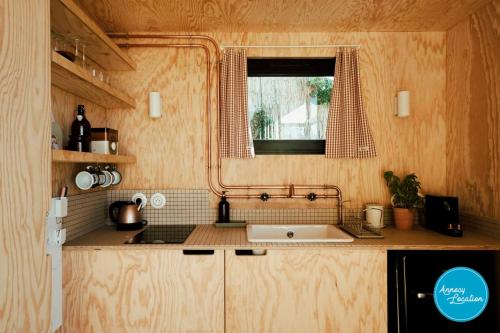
{"type": "Point", "coordinates": [236, 141]}
{"type": "Point", "coordinates": [348, 134]}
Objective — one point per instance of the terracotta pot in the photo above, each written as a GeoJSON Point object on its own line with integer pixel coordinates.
{"type": "Point", "coordinates": [403, 218]}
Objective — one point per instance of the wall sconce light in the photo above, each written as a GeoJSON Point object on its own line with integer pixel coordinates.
{"type": "Point", "coordinates": [155, 104]}
{"type": "Point", "coordinates": [402, 104]}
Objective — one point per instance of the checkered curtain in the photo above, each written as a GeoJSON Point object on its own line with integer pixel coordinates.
{"type": "Point", "coordinates": [236, 141]}
{"type": "Point", "coordinates": [348, 134]}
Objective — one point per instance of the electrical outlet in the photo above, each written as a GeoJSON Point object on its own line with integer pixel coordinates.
{"type": "Point", "coordinates": [142, 196]}
{"type": "Point", "coordinates": [158, 200]}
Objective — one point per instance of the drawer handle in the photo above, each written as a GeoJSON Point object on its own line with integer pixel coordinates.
{"type": "Point", "coordinates": [198, 252]}
{"type": "Point", "coordinates": [424, 295]}
{"type": "Point", "coordinates": [250, 252]}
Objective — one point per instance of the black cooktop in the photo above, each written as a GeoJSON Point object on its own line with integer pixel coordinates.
{"type": "Point", "coordinates": [163, 234]}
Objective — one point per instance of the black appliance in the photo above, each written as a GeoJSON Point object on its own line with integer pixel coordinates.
{"type": "Point", "coordinates": [441, 215]}
{"type": "Point", "coordinates": [163, 234]}
{"type": "Point", "coordinates": [411, 277]}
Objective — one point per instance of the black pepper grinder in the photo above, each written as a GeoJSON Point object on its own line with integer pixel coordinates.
{"type": "Point", "coordinates": [223, 209]}
{"type": "Point", "coordinates": [79, 139]}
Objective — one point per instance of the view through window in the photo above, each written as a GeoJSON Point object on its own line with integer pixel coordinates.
{"type": "Point", "coordinates": [289, 108]}
{"type": "Point", "coordinates": [288, 99]}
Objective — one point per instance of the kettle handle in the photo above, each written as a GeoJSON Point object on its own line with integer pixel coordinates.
{"type": "Point", "coordinates": [113, 208]}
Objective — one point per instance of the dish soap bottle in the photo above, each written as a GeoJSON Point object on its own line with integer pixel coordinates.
{"type": "Point", "coordinates": [223, 209]}
{"type": "Point", "coordinates": [79, 139]}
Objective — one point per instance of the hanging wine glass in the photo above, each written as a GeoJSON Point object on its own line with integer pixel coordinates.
{"type": "Point", "coordinates": [84, 62]}
{"type": "Point", "coordinates": [63, 47]}
{"type": "Point", "coordinates": [76, 49]}
{"type": "Point", "coordinates": [56, 41]}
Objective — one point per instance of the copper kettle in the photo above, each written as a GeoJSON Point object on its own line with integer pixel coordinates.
{"type": "Point", "coordinates": [127, 215]}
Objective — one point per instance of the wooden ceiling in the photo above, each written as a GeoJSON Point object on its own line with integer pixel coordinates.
{"type": "Point", "coordinates": [279, 15]}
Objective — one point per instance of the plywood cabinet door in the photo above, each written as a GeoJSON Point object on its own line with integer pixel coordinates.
{"type": "Point", "coordinates": [143, 291]}
{"type": "Point", "coordinates": [334, 290]}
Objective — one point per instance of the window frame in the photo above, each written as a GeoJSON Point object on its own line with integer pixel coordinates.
{"type": "Point", "coordinates": [290, 67]}
{"type": "Point", "coordinates": [289, 147]}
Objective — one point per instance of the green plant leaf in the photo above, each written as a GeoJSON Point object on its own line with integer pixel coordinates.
{"type": "Point", "coordinates": [404, 192]}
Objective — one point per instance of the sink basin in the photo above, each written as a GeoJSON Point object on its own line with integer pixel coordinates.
{"type": "Point", "coordinates": [296, 233]}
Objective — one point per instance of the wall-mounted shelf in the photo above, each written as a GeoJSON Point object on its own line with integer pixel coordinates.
{"type": "Point", "coordinates": [68, 156]}
{"type": "Point", "coordinates": [68, 19]}
{"type": "Point", "coordinates": [71, 77]}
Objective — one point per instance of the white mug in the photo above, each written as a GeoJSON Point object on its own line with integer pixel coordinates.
{"type": "Point", "coordinates": [375, 215]}
{"type": "Point", "coordinates": [85, 180]}
{"type": "Point", "coordinates": [109, 178]}
{"type": "Point", "coordinates": [117, 177]}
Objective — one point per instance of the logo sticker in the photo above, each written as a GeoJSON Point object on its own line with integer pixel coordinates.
{"type": "Point", "coordinates": [461, 294]}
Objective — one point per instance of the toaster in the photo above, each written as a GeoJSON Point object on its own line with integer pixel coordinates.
{"type": "Point", "coordinates": [441, 215]}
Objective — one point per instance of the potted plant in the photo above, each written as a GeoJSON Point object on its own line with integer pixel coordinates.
{"type": "Point", "coordinates": [404, 198]}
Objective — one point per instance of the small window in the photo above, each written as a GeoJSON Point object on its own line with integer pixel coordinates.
{"type": "Point", "coordinates": [288, 101]}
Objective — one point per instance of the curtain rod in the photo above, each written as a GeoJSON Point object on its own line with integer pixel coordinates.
{"type": "Point", "coordinates": [289, 46]}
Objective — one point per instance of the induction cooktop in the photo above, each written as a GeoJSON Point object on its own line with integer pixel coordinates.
{"type": "Point", "coordinates": [163, 234]}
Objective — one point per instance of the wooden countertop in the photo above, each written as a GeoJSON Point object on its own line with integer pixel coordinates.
{"type": "Point", "coordinates": [209, 237]}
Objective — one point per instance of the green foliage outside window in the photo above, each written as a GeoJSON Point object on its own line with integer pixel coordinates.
{"type": "Point", "coordinates": [260, 121]}
{"type": "Point", "coordinates": [321, 88]}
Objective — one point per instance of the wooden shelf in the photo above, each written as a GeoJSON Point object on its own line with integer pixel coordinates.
{"type": "Point", "coordinates": [71, 77]}
{"type": "Point", "coordinates": [68, 156]}
{"type": "Point", "coordinates": [68, 19]}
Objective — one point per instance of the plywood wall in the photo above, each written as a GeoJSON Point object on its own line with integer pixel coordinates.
{"type": "Point", "coordinates": [24, 165]}
{"type": "Point", "coordinates": [64, 106]}
{"type": "Point", "coordinates": [473, 99]}
{"type": "Point", "coordinates": [170, 150]}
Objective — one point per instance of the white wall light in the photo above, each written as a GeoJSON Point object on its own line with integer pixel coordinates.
{"type": "Point", "coordinates": [402, 104]}
{"type": "Point", "coordinates": [155, 104]}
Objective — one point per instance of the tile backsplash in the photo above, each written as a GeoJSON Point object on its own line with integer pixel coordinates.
{"type": "Point", "coordinates": [89, 211]}
{"type": "Point", "coordinates": [86, 212]}
{"type": "Point", "coordinates": [191, 206]}
{"type": "Point", "coordinates": [183, 206]}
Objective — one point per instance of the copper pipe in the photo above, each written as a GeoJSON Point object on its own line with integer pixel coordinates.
{"type": "Point", "coordinates": [291, 188]}
{"type": "Point", "coordinates": [256, 196]}
{"type": "Point", "coordinates": [188, 37]}
{"type": "Point", "coordinates": [325, 187]}
{"type": "Point", "coordinates": [217, 62]}
{"type": "Point", "coordinates": [218, 57]}
{"type": "Point", "coordinates": [208, 101]}
{"type": "Point", "coordinates": [262, 187]}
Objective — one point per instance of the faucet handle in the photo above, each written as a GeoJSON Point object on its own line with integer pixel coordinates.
{"type": "Point", "coordinates": [264, 196]}
{"type": "Point", "coordinates": [311, 196]}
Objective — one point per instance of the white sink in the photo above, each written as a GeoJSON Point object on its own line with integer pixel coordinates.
{"type": "Point", "coordinates": [296, 233]}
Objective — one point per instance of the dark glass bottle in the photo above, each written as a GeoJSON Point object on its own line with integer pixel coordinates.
{"type": "Point", "coordinates": [79, 139]}
{"type": "Point", "coordinates": [223, 209]}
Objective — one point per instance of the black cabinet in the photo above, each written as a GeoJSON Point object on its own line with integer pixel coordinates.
{"type": "Point", "coordinates": [411, 278]}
